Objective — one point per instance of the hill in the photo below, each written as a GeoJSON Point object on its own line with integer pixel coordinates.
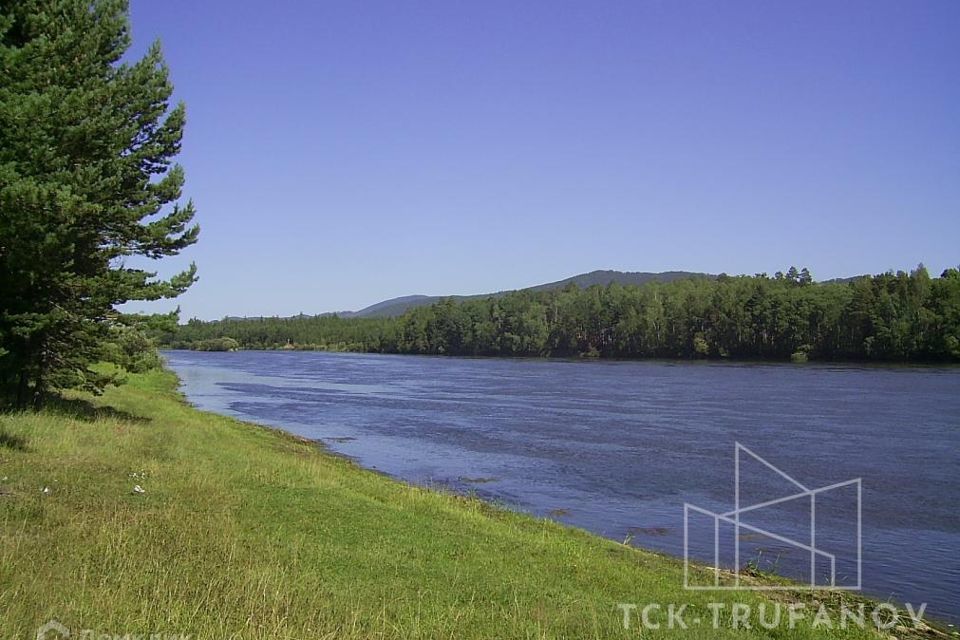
{"type": "Point", "coordinates": [398, 306]}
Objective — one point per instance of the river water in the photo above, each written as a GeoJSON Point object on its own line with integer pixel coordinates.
{"type": "Point", "coordinates": [619, 448]}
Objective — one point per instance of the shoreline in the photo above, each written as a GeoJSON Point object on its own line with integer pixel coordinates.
{"type": "Point", "coordinates": [250, 530]}
{"type": "Point", "coordinates": [811, 363]}
{"type": "Point", "coordinates": [451, 490]}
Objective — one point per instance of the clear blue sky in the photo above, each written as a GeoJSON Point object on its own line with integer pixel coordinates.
{"type": "Point", "coordinates": [340, 153]}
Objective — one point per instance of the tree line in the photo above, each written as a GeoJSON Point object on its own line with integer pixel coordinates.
{"type": "Point", "coordinates": [899, 317]}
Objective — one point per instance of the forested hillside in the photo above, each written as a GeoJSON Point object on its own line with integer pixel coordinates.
{"type": "Point", "coordinates": [399, 306]}
{"type": "Point", "coordinates": [888, 317]}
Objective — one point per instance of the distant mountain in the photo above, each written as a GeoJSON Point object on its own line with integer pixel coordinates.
{"type": "Point", "coordinates": [844, 280]}
{"type": "Point", "coordinates": [603, 278]}
{"type": "Point", "coordinates": [391, 307]}
{"type": "Point", "coordinates": [398, 306]}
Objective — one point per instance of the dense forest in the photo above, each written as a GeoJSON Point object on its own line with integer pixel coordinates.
{"type": "Point", "coordinates": [888, 317]}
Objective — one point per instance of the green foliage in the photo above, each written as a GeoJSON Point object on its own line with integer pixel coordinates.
{"type": "Point", "coordinates": [323, 333]}
{"type": "Point", "coordinates": [86, 181]}
{"type": "Point", "coordinates": [132, 351]}
{"type": "Point", "coordinates": [890, 317]}
{"type": "Point", "coordinates": [218, 344]}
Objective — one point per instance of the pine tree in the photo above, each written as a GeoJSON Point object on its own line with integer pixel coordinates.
{"type": "Point", "coordinates": [87, 181]}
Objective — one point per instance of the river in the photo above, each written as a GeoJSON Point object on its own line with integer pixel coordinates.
{"type": "Point", "coordinates": [618, 448]}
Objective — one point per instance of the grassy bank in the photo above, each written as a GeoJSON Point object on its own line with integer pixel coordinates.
{"type": "Point", "coordinates": [247, 532]}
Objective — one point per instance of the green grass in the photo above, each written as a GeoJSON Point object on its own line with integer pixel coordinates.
{"type": "Point", "coordinates": [249, 532]}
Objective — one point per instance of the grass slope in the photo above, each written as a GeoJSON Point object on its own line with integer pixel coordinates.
{"type": "Point", "coordinates": [248, 532]}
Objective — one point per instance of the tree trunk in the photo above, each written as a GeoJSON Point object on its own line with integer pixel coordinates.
{"type": "Point", "coordinates": [23, 390]}
{"type": "Point", "coordinates": [39, 391]}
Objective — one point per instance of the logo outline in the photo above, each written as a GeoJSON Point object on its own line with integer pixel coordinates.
{"type": "Point", "coordinates": [52, 626]}
{"type": "Point", "coordinates": [733, 517]}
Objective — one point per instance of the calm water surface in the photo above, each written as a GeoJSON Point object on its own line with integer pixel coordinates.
{"type": "Point", "coordinates": [619, 447]}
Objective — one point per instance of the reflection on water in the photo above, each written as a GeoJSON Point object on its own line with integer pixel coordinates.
{"type": "Point", "coordinates": [619, 447]}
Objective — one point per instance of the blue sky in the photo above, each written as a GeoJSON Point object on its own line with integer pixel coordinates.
{"type": "Point", "coordinates": [341, 153]}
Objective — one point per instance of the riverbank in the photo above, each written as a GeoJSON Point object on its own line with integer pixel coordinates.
{"type": "Point", "coordinates": [137, 514]}
{"type": "Point", "coordinates": [223, 345]}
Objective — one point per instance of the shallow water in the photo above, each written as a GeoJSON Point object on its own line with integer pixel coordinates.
{"type": "Point", "coordinates": [618, 448]}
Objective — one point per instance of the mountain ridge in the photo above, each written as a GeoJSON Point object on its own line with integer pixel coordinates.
{"type": "Point", "coordinates": [398, 306]}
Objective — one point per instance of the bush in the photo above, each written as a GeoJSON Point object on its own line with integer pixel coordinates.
{"type": "Point", "coordinates": [218, 344]}
{"type": "Point", "coordinates": [131, 349]}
